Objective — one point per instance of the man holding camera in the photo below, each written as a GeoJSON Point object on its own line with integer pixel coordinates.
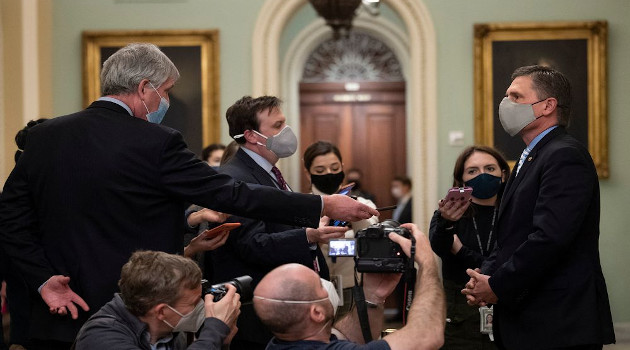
{"type": "Point", "coordinates": [158, 303]}
{"type": "Point", "coordinates": [294, 305]}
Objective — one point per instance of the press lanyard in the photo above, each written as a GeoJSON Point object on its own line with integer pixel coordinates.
{"type": "Point", "coordinates": [494, 215]}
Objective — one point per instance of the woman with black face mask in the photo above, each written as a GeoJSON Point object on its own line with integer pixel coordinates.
{"type": "Point", "coordinates": [324, 168]}
{"type": "Point", "coordinates": [462, 234]}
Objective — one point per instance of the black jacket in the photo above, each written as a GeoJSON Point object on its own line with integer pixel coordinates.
{"type": "Point", "coordinates": [94, 186]}
{"type": "Point", "coordinates": [546, 270]}
{"type": "Point", "coordinates": [258, 247]}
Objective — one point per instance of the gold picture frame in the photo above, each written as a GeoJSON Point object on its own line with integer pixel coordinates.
{"type": "Point", "coordinates": [194, 109]}
{"type": "Point", "coordinates": [578, 49]}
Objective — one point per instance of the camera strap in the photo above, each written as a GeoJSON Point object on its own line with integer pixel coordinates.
{"type": "Point", "coordinates": [410, 280]}
{"type": "Point", "coordinates": [362, 312]}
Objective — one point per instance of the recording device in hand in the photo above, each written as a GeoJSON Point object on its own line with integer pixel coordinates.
{"type": "Point", "coordinates": [243, 286]}
{"type": "Point", "coordinates": [377, 253]}
{"type": "Point", "coordinates": [345, 191]}
{"type": "Point", "coordinates": [459, 194]}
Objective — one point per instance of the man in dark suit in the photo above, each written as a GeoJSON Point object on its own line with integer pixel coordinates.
{"type": "Point", "coordinates": [544, 277]}
{"type": "Point", "coordinates": [401, 190]}
{"type": "Point", "coordinates": [94, 186]}
{"type": "Point", "coordinates": [258, 246]}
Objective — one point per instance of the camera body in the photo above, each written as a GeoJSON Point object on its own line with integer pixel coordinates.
{"type": "Point", "coordinates": [377, 253]}
{"type": "Point", "coordinates": [243, 286]}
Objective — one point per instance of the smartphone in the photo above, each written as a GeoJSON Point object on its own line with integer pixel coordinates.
{"type": "Point", "coordinates": [459, 194]}
{"type": "Point", "coordinates": [345, 190]}
{"type": "Point", "coordinates": [228, 226]}
{"type": "Point", "coordinates": [341, 247]}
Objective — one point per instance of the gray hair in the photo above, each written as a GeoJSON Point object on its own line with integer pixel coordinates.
{"type": "Point", "coordinates": [124, 70]}
{"type": "Point", "coordinates": [150, 278]}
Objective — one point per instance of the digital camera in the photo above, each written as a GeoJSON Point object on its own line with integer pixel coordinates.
{"type": "Point", "coordinates": [243, 286]}
{"type": "Point", "coordinates": [376, 252]}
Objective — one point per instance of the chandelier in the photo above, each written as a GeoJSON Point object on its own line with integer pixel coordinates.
{"type": "Point", "coordinates": [340, 13]}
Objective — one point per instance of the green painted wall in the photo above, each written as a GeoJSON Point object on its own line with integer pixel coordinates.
{"type": "Point", "coordinates": [453, 20]}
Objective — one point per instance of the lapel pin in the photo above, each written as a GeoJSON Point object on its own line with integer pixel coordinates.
{"type": "Point", "coordinates": [530, 159]}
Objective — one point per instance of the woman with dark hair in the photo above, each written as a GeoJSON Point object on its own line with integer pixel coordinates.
{"type": "Point", "coordinates": [462, 234]}
{"type": "Point", "coordinates": [324, 167]}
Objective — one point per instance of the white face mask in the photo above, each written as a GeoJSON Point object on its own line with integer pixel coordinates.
{"type": "Point", "coordinates": [333, 297]}
{"type": "Point", "coordinates": [515, 116]}
{"type": "Point", "coordinates": [397, 192]}
{"type": "Point", "coordinates": [190, 322]}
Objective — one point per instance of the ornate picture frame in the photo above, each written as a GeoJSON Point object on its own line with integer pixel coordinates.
{"type": "Point", "coordinates": [577, 49]}
{"type": "Point", "coordinates": [194, 102]}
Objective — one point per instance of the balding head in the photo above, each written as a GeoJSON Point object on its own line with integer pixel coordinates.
{"type": "Point", "coordinates": [291, 321]}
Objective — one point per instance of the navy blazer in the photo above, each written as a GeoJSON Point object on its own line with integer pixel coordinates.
{"type": "Point", "coordinates": [258, 247]}
{"type": "Point", "coordinates": [545, 269]}
{"type": "Point", "coordinates": [94, 186]}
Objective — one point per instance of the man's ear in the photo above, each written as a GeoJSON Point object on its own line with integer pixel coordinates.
{"type": "Point", "coordinates": [317, 313]}
{"type": "Point", "coordinates": [142, 88]}
{"type": "Point", "coordinates": [158, 311]}
{"type": "Point", "coordinates": [250, 136]}
{"type": "Point", "coordinates": [551, 104]}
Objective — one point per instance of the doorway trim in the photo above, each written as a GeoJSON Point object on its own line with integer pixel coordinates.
{"type": "Point", "coordinates": [418, 59]}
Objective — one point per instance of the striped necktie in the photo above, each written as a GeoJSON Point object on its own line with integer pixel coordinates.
{"type": "Point", "coordinates": [522, 159]}
{"type": "Point", "coordinates": [281, 182]}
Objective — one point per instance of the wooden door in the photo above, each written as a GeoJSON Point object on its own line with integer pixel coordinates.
{"type": "Point", "coordinates": [367, 125]}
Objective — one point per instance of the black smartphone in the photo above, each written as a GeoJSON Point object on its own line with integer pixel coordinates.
{"type": "Point", "coordinates": [345, 190]}
{"type": "Point", "coordinates": [341, 247]}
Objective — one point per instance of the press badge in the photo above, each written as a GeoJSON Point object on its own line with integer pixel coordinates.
{"type": "Point", "coordinates": [486, 316]}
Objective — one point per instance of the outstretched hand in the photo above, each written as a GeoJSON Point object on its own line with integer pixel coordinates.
{"type": "Point", "coordinates": [60, 298]}
{"type": "Point", "coordinates": [344, 208]}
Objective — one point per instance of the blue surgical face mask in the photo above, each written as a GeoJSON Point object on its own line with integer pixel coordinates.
{"type": "Point", "coordinates": [157, 116]}
{"type": "Point", "coordinates": [484, 185]}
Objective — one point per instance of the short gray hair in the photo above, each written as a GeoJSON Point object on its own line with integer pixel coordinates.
{"type": "Point", "coordinates": [124, 70]}
{"type": "Point", "coordinates": [150, 278]}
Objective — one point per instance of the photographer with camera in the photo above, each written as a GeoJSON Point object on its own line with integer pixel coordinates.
{"type": "Point", "coordinates": [294, 304]}
{"type": "Point", "coordinates": [159, 302]}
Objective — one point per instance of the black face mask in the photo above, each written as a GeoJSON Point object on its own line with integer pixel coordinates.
{"type": "Point", "coordinates": [328, 183]}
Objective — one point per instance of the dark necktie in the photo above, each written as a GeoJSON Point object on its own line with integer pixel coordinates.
{"type": "Point", "coordinates": [281, 182]}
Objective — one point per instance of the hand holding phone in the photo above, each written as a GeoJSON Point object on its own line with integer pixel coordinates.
{"type": "Point", "coordinates": [455, 203]}
{"type": "Point", "coordinates": [345, 190]}
{"type": "Point", "coordinates": [228, 226]}
{"type": "Point", "coordinates": [210, 239]}
{"type": "Point", "coordinates": [459, 194]}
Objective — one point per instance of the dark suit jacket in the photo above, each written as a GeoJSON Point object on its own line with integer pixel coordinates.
{"type": "Point", "coordinates": [405, 214]}
{"type": "Point", "coordinates": [546, 270]}
{"type": "Point", "coordinates": [258, 247]}
{"type": "Point", "coordinates": [94, 186]}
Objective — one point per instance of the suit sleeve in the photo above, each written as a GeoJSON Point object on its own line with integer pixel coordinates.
{"type": "Point", "coordinates": [255, 244]}
{"type": "Point", "coordinates": [19, 227]}
{"type": "Point", "coordinates": [567, 185]}
{"type": "Point", "coordinates": [188, 178]}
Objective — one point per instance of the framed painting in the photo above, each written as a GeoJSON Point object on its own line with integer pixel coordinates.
{"type": "Point", "coordinates": [194, 102]}
{"type": "Point", "coordinates": [577, 49]}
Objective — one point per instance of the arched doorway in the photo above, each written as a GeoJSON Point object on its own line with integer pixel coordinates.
{"type": "Point", "coordinates": [416, 48]}
{"type": "Point", "coordinates": [352, 94]}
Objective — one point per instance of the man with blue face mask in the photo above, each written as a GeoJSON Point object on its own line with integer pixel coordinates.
{"type": "Point", "coordinates": [94, 186]}
{"type": "Point", "coordinates": [257, 246]}
{"type": "Point", "coordinates": [544, 276]}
